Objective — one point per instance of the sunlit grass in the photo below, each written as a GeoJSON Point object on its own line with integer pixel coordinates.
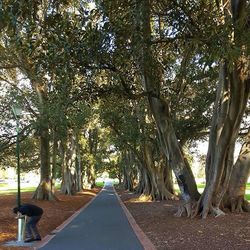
{"type": "Point", "coordinates": [99, 184]}
{"type": "Point", "coordinates": [5, 189]}
{"type": "Point", "coordinates": [14, 190]}
{"type": "Point", "coordinates": [201, 187]}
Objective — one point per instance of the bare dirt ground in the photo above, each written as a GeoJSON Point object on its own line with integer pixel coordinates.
{"type": "Point", "coordinates": [55, 213]}
{"type": "Point", "coordinates": [155, 219]}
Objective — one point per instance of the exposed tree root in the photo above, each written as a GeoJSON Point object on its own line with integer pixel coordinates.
{"type": "Point", "coordinates": [217, 212]}
{"type": "Point", "coordinates": [185, 209]}
{"type": "Point", "coordinates": [197, 210]}
{"type": "Point", "coordinates": [166, 195]}
{"type": "Point", "coordinates": [239, 205]}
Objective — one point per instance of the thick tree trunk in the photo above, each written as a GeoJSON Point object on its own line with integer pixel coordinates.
{"type": "Point", "coordinates": [89, 176]}
{"type": "Point", "coordinates": [68, 185]}
{"type": "Point", "coordinates": [144, 183]}
{"type": "Point", "coordinates": [44, 190]}
{"type": "Point", "coordinates": [78, 166]}
{"type": "Point", "coordinates": [230, 104]}
{"type": "Point", "coordinates": [151, 79]}
{"type": "Point", "coordinates": [156, 171]}
{"type": "Point", "coordinates": [234, 197]}
{"type": "Point", "coordinates": [129, 171]}
{"type": "Point", "coordinates": [54, 160]}
{"type": "Point", "coordinates": [226, 123]}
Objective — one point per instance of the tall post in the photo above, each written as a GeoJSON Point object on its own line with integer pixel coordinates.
{"type": "Point", "coordinates": [21, 221]}
{"type": "Point", "coordinates": [18, 165]}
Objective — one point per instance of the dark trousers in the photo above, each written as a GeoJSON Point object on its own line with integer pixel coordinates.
{"type": "Point", "coordinates": [31, 229]}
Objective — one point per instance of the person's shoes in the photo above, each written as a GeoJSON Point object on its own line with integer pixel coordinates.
{"type": "Point", "coordinates": [37, 239]}
{"type": "Point", "coordinates": [29, 240]}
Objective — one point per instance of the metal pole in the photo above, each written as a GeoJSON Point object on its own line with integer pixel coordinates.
{"type": "Point", "coordinates": [21, 221]}
{"type": "Point", "coordinates": [21, 229]}
{"type": "Point", "coordinates": [18, 165]}
{"type": "Point", "coordinates": [17, 111]}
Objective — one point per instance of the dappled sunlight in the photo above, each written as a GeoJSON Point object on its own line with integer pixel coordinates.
{"type": "Point", "coordinates": [89, 192]}
{"type": "Point", "coordinates": [7, 236]}
{"type": "Point", "coordinates": [140, 199]}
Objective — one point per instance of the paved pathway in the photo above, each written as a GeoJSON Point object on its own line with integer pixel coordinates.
{"type": "Point", "coordinates": [101, 226]}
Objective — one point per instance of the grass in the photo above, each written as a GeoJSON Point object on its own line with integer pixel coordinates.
{"type": "Point", "coordinates": [5, 190]}
{"type": "Point", "coordinates": [14, 190]}
{"type": "Point", "coordinates": [247, 197]}
{"type": "Point", "coordinates": [201, 187]}
{"type": "Point", "coordinates": [99, 184]}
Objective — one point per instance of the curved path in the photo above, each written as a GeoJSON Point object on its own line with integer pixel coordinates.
{"type": "Point", "coordinates": [102, 225]}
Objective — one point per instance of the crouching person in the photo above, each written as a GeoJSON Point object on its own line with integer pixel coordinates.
{"type": "Point", "coordinates": [34, 214]}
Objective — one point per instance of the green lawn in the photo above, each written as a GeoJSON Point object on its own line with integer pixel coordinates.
{"type": "Point", "coordinates": [247, 196]}
{"type": "Point", "coordinates": [99, 184]}
{"type": "Point", "coordinates": [5, 190]}
{"type": "Point", "coordinates": [14, 190]}
{"type": "Point", "coordinates": [201, 187]}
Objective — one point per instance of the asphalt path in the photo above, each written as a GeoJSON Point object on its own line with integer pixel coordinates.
{"type": "Point", "coordinates": [101, 226]}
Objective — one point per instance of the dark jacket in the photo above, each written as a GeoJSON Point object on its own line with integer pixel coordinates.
{"type": "Point", "coordinates": [30, 210]}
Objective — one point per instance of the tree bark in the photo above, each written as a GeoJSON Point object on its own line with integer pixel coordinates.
{"type": "Point", "coordinates": [234, 197]}
{"type": "Point", "coordinates": [161, 187]}
{"type": "Point", "coordinates": [68, 185]}
{"type": "Point", "coordinates": [78, 165]}
{"type": "Point", "coordinates": [54, 159]}
{"type": "Point", "coordinates": [230, 104]}
{"type": "Point", "coordinates": [129, 171]}
{"type": "Point", "coordinates": [44, 190]}
{"type": "Point", "coordinates": [151, 79]}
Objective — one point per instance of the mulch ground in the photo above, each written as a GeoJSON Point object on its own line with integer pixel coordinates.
{"type": "Point", "coordinates": [55, 213]}
{"type": "Point", "coordinates": [156, 219]}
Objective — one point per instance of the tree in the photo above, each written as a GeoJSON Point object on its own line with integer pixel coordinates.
{"type": "Point", "coordinates": [151, 79]}
{"type": "Point", "coordinates": [230, 104]}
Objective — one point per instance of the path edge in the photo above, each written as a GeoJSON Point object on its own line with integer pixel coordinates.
{"type": "Point", "coordinates": [142, 237]}
{"type": "Point", "coordinates": [53, 233]}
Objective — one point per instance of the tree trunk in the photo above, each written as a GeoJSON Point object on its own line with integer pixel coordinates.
{"type": "Point", "coordinates": [151, 79]}
{"type": "Point", "coordinates": [89, 176]}
{"type": "Point", "coordinates": [78, 166]}
{"type": "Point", "coordinates": [129, 171]}
{"type": "Point", "coordinates": [157, 169]}
{"type": "Point", "coordinates": [68, 168]}
{"type": "Point", "coordinates": [230, 104]}
{"type": "Point", "coordinates": [54, 160]}
{"type": "Point", "coordinates": [44, 190]}
{"type": "Point", "coordinates": [234, 197]}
